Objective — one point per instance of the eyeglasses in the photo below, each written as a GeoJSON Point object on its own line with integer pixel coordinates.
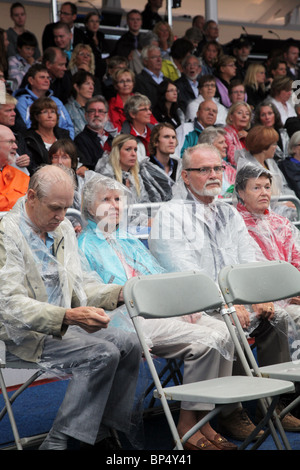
{"type": "Point", "coordinates": [144, 109]}
{"type": "Point", "coordinates": [65, 13]}
{"type": "Point", "coordinates": [124, 82]}
{"type": "Point", "coordinates": [84, 54]}
{"type": "Point", "coordinates": [209, 85]}
{"type": "Point", "coordinates": [95, 111]}
{"type": "Point", "coordinates": [206, 170]}
{"type": "Point", "coordinates": [10, 142]}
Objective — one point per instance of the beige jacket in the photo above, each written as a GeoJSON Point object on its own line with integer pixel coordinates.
{"type": "Point", "coordinates": [26, 317]}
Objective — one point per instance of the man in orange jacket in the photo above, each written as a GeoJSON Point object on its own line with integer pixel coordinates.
{"type": "Point", "coordinates": [13, 182]}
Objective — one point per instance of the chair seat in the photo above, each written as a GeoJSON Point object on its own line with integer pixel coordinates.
{"type": "Point", "coordinates": [228, 390]}
{"type": "Point", "coordinates": [286, 370]}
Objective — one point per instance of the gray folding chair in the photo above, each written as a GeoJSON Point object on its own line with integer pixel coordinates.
{"type": "Point", "coordinates": [8, 401]}
{"type": "Point", "coordinates": [252, 283]}
{"type": "Point", "coordinates": [176, 294]}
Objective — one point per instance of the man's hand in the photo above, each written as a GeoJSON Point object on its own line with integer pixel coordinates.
{"type": "Point", "coordinates": [243, 315]}
{"type": "Point", "coordinates": [90, 319]}
{"type": "Point", "coordinates": [23, 160]}
{"type": "Point", "coordinates": [265, 310]}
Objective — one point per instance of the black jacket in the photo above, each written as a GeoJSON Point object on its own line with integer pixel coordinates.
{"type": "Point", "coordinates": [186, 94]}
{"type": "Point", "coordinates": [37, 149]}
{"type": "Point", "coordinates": [145, 85]}
{"type": "Point", "coordinates": [89, 147]}
{"type": "Point", "coordinates": [291, 171]}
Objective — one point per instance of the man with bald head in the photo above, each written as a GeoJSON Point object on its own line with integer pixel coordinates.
{"type": "Point", "coordinates": [50, 304]}
{"type": "Point", "coordinates": [13, 182]}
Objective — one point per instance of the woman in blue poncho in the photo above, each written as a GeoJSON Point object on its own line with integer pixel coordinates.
{"type": "Point", "coordinates": [201, 341]}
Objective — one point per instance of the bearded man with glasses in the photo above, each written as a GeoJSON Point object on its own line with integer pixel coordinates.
{"type": "Point", "coordinates": [197, 231]}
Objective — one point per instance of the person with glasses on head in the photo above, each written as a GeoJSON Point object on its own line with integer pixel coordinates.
{"type": "Point", "coordinates": [94, 140]}
{"type": "Point", "coordinates": [67, 15]}
{"type": "Point", "coordinates": [13, 181]}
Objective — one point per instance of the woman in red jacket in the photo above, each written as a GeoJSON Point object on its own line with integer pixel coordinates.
{"type": "Point", "coordinates": [123, 82]}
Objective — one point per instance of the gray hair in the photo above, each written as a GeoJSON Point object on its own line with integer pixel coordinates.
{"type": "Point", "coordinates": [246, 173]}
{"type": "Point", "coordinates": [210, 134]}
{"type": "Point", "coordinates": [146, 50]}
{"type": "Point", "coordinates": [44, 178]}
{"type": "Point", "coordinates": [188, 153]}
{"type": "Point", "coordinates": [93, 187]}
{"type": "Point", "coordinates": [294, 141]}
{"type": "Point", "coordinates": [96, 99]}
{"type": "Point", "coordinates": [133, 104]}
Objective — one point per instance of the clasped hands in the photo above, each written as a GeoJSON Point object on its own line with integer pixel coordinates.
{"type": "Point", "coordinates": [264, 310]}
{"type": "Point", "coordinates": [90, 319]}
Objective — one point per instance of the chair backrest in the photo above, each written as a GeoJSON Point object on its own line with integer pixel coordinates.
{"type": "Point", "coordinates": [259, 282]}
{"type": "Point", "coordinates": [172, 294]}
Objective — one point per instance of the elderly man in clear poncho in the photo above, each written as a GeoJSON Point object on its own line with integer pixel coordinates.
{"type": "Point", "coordinates": [49, 304]}
{"type": "Point", "coordinates": [202, 342]}
{"type": "Point", "coordinates": [196, 231]}
{"type": "Point", "coordinates": [276, 235]}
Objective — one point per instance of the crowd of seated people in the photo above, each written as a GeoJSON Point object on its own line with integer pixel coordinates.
{"type": "Point", "coordinates": [130, 113]}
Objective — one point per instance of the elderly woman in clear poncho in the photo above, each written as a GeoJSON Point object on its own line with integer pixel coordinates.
{"type": "Point", "coordinates": [261, 144]}
{"type": "Point", "coordinates": [140, 177]}
{"type": "Point", "coordinates": [277, 237]}
{"type": "Point", "coordinates": [117, 256]}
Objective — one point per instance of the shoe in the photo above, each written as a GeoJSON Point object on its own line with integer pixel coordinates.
{"type": "Point", "coordinates": [237, 425]}
{"type": "Point", "coordinates": [222, 443]}
{"type": "Point", "coordinates": [109, 444]}
{"type": "Point", "coordinates": [202, 444]}
{"type": "Point", "coordinates": [55, 440]}
{"type": "Point", "coordinates": [289, 423]}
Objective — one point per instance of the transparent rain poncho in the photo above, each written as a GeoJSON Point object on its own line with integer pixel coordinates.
{"type": "Point", "coordinates": [189, 235]}
{"type": "Point", "coordinates": [155, 185]}
{"type": "Point", "coordinates": [279, 183]}
{"type": "Point", "coordinates": [117, 255]}
{"type": "Point", "coordinates": [278, 239]}
{"type": "Point", "coordinates": [37, 284]}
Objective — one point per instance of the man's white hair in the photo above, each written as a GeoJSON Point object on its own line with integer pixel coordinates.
{"type": "Point", "coordinates": [187, 155]}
